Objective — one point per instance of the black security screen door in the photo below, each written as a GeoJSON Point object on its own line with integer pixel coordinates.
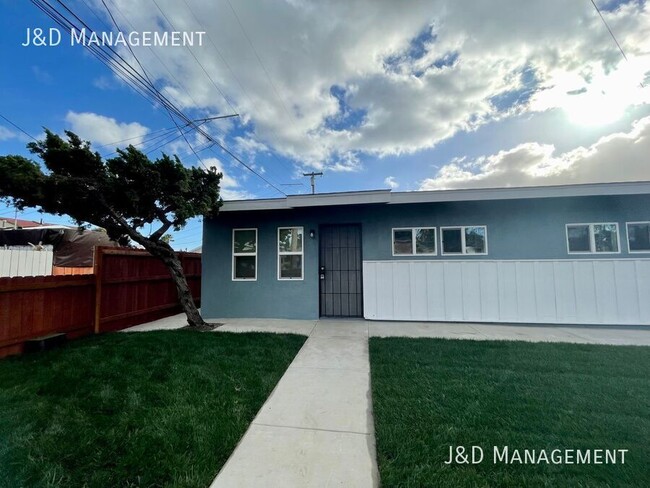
{"type": "Point", "coordinates": [340, 271]}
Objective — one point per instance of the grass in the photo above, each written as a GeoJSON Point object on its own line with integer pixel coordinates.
{"type": "Point", "coordinates": [142, 409]}
{"type": "Point", "coordinates": [429, 394]}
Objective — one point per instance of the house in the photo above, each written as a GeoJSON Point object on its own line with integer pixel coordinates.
{"type": "Point", "coordinates": [17, 224]}
{"type": "Point", "coordinates": [552, 254]}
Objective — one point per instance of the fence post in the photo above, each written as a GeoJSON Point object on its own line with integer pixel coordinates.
{"type": "Point", "coordinates": [98, 286]}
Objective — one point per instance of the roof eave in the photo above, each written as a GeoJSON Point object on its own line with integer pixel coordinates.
{"type": "Point", "coordinates": [478, 194]}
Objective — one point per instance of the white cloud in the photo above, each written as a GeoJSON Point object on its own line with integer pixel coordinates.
{"type": "Point", "coordinates": [6, 134]}
{"type": "Point", "coordinates": [41, 75]}
{"type": "Point", "coordinates": [621, 156]}
{"type": "Point", "coordinates": [107, 82]}
{"type": "Point", "coordinates": [249, 145]}
{"type": "Point", "coordinates": [102, 130]}
{"type": "Point", "coordinates": [399, 96]}
{"type": "Point", "coordinates": [390, 182]}
{"type": "Point", "coordinates": [230, 188]}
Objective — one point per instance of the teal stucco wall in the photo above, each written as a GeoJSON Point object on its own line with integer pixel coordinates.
{"type": "Point", "coordinates": [516, 229]}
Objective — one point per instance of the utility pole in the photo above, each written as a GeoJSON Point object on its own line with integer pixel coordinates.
{"type": "Point", "coordinates": [312, 176]}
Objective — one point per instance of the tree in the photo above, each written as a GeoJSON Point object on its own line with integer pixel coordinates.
{"type": "Point", "coordinates": [121, 195]}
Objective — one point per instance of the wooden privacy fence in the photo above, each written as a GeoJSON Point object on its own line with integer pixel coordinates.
{"type": "Point", "coordinates": [128, 287]}
{"type": "Point", "coordinates": [133, 287]}
{"type": "Point", "coordinates": [38, 305]}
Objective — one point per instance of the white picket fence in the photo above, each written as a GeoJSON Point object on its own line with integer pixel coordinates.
{"type": "Point", "coordinates": [594, 291]}
{"type": "Point", "coordinates": [25, 262]}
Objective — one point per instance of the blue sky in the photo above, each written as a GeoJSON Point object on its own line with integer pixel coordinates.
{"type": "Point", "coordinates": [373, 94]}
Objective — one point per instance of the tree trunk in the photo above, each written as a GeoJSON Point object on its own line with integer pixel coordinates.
{"type": "Point", "coordinates": [165, 253]}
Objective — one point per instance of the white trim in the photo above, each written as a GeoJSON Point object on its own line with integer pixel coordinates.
{"type": "Point", "coordinates": [413, 243]}
{"type": "Point", "coordinates": [627, 236]}
{"type": "Point", "coordinates": [248, 254]}
{"type": "Point", "coordinates": [592, 238]}
{"type": "Point", "coordinates": [463, 251]}
{"type": "Point", "coordinates": [479, 194]}
{"type": "Point", "coordinates": [292, 253]}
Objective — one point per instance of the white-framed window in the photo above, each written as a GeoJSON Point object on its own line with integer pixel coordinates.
{"type": "Point", "coordinates": [244, 254]}
{"type": "Point", "coordinates": [414, 241]}
{"type": "Point", "coordinates": [638, 236]}
{"type": "Point", "coordinates": [291, 261]}
{"type": "Point", "coordinates": [464, 239]}
{"type": "Point", "coordinates": [593, 238]}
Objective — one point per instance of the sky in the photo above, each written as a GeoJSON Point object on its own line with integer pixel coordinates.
{"type": "Point", "coordinates": [418, 95]}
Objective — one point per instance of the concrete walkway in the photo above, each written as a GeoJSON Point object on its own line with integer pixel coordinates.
{"type": "Point", "coordinates": [583, 334]}
{"type": "Point", "coordinates": [316, 428]}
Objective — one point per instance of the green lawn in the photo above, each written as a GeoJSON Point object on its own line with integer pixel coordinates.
{"type": "Point", "coordinates": [429, 394]}
{"type": "Point", "coordinates": [143, 409]}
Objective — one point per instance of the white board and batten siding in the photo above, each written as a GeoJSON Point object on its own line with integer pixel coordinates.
{"type": "Point", "coordinates": [25, 262]}
{"type": "Point", "coordinates": [594, 291]}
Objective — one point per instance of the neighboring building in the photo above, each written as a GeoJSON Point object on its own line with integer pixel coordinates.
{"type": "Point", "coordinates": [46, 250]}
{"type": "Point", "coordinates": [553, 254]}
{"type": "Point", "coordinates": [13, 224]}
{"type": "Point", "coordinates": [20, 224]}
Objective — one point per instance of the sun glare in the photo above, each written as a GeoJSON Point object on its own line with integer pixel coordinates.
{"type": "Point", "coordinates": [595, 107]}
{"type": "Point", "coordinates": [607, 96]}
{"type": "Point", "coordinates": [599, 99]}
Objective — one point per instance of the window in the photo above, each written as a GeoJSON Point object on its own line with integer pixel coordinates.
{"type": "Point", "coordinates": [414, 241]}
{"type": "Point", "coordinates": [244, 254]}
{"type": "Point", "coordinates": [464, 240]}
{"type": "Point", "coordinates": [638, 236]}
{"type": "Point", "coordinates": [290, 253]}
{"type": "Point", "coordinates": [592, 238]}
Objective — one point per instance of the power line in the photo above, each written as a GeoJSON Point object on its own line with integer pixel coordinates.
{"type": "Point", "coordinates": [196, 59]}
{"type": "Point", "coordinates": [152, 84]}
{"type": "Point", "coordinates": [268, 76]}
{"type": "Point", "coordinates": [191, 235]}
{"type": "Point", "coordinates": [137, 137]}
{"type": "Point", "coordinates": [185, 89]}
{"type": "Point", "coordinates": [608, 29]}
{"type": "Point", "coordinates": [178, 112]}
{"type": "Point", "coordinates": [180, 85]}
{"type": "Point", "coordinates": [154, 146]}
{"type": "Point", "coordinates": [611, 33]}
{"type": "Point", "coordinates": [184, 242]}
{"type": "Point", "coordinates": [109, 56]}
{"type": "Point", "coordinates": [133, 78]}
{"type": "Point", "coordinates": [218, 51]}
{"type": "Point", "coordinates": [223, 148]}
{"type": "Point", "coordinates": [236, 78]}
{"type": "Point", "coordinates": [261, 63]}
{"type": "Point", "coordinates": [152, 51]}
{"type": "Point", "coordinates": [17, 127]}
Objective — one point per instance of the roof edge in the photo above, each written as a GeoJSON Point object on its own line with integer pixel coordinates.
{"type": "Point", "coordinates": [433, 196]}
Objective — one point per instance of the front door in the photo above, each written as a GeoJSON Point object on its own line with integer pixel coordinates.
{"type": "Point", "coordinates": [340, 271]}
